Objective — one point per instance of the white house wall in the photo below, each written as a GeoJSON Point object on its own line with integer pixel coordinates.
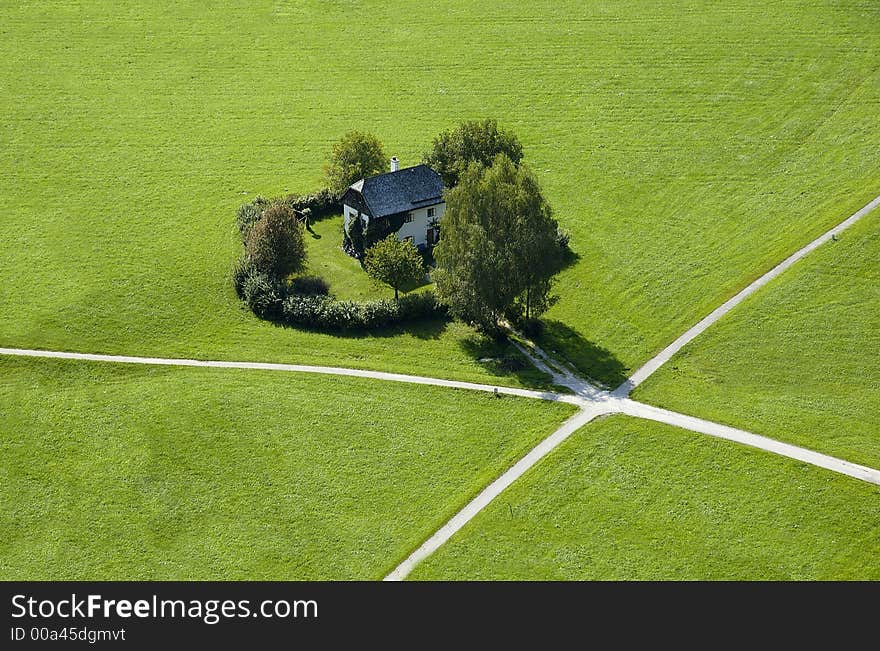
{"type": "Point", "coordinates": [418, 227]}
{"type": "Point", "coordinates": [349, 213]}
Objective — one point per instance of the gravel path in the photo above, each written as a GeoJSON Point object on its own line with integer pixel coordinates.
{"type": "Point", "coordinates": [649, 412]}
{"type": "Point", "coordinates": [296, 368]}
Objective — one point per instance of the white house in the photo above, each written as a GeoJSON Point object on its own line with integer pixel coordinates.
{"type": "Point", "coordinates": [408, 201]}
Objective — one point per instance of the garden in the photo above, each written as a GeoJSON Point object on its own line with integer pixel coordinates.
{"type": "Point", "coordinates": [502, 245]}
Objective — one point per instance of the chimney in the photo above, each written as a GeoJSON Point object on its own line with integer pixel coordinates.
{"type": "Point", "coordinates": [395, 164]}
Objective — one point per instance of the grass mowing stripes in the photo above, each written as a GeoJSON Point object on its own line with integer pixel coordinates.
{"type": "Point", "coordinates": [798, 360]}
{"type": "Point", "coordinates": [122, 473]}
{"type": "Point", "coordinates": [686, 147]}
{"type": "Point", "coordinates": [627, 499]}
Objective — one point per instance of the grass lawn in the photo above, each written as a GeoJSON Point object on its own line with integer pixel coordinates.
{"type": "Point", "coordinates": [348, 281]}
{"type": "Point", "coordinates": [326, 259]}
{"type": "Point", "coordinates": [798, 361]}
{"type": "Point", "coordinates": [120, 472]}
{"type": "Point", "coordinates": [632, 499]}
{"type": "Point", "coordinates": [687, 147]}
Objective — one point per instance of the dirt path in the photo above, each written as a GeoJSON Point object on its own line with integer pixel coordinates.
{"type": "Point", "coordinates": [649, 412]}
{"type": "Point", "coordinates": [296, 368]}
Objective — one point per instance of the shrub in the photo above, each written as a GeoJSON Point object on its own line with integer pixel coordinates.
{"type": "Point", "coordinates": [419, 305]}
{"type": "Point", "coordinates": [310, 286]}
{"type": "Point", "coordinates": [242, 269]}
{"type": "Point", "coordinates": [247, 216]}
{"type": "Point", "coordinates": [379, 314]}
{"type": "Point", "coordinates": [325, 313]}
{"type": "Point", "coordinates": [263, 294]}
{"type": "Point", "coordinates": [319, 204]}
{"type": "Point", "coordinates": [275, 243]}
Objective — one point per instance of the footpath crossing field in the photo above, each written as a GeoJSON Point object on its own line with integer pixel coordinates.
{"type": "Point", "coordinates": [687, 149]}
{"type": "Point", "coordinates": [635, 500]}
{"type": "Point", "coordinates": [798, 360]}
{"type": "Point", "coordinates": [117, 472]}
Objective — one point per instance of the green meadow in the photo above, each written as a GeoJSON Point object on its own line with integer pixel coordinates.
{"type": "Point", "coordinates": [687, 147]}
{"type": "Point", "coordinates": [124, 472]}
{"type": "Point", "coordinates": [627, 499]}
{"type": "Point", "coordinates": [798, 361]}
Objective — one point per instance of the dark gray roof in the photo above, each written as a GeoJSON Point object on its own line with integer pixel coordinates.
{"type": "Point", "coordinates": [396, 192]}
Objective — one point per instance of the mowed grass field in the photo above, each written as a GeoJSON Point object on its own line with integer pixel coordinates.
{"type": "Point", "coordinates": [635, 500]}
{"type": "Point", "coordinates": [121, 472]}
{"type": "Point", "coordinates": [687, 146]}
{"type": "Point", "coordinates": [798, 361]}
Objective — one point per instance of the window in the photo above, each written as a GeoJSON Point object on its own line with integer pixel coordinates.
{"type": "Point", "coordinates": [408, 219]}
{"type": "Point", "coordinates": [408, 238]}
{"type": "Point", "coordinates": [431, 212]}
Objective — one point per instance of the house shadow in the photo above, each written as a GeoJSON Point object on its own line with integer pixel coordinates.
{"type": "Point", "coordinates": [592, 361]}
{"type": "Point", "coordinates": [502, 359]}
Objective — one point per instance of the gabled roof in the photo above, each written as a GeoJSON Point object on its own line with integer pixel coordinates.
{"type": "Point", "coordinates": [396, 192]}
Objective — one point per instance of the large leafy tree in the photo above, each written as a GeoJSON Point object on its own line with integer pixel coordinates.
{"type": "Point", "coordinates": [498, 253]}
{"type": "Point", "coordinates": [275, 243]}
{"type": "Point", "coordinates": [473, 141]}
{"type": "Point", "coordinates": [356, 156]}
{"type": "Point", "coordinates": [394, 263]}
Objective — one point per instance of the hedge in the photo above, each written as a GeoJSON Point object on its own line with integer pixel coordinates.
{"type": "Point", "coordinates": [316, 205]}
{"type": "Point", "coordinates": [326, 313]}
{"type": "Point", "coordinates": [271, 299]}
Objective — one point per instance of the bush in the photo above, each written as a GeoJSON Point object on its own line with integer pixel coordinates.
{"type": "Point", "coordinates": [310, 286]}
{"type": "Point", "coordinates": [324, 313]}
{"type": "Point", "coordinates": [242, 269]}
{"type": "Point", "coordinates": [319, 204]}
{"type": "Point", "coordinates": [275, 243]}
{"type": "Point", "coordinates": [248, 214]}
{"type": "Point", "coordinates": [263, 294]}
{"type": "Point", "coordinates": [421, 304]}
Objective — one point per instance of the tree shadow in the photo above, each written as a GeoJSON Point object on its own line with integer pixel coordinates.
{"type": "Point", "coordinates": [424, 281]}
{"type": "Point", "coordinates": [502, 359]}
{"type": "Point", "coordinates": [594, 362]}
{"type": "Point", "coordinates": [567, 259]}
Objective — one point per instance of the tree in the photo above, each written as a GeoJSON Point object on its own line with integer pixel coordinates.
{"type": "Point", "coordinates": [356, 156]}
{"type": "Point", "coordinates": [394, 263]}
{"type": "Point", "coordinates": [275, 243]}
{"type": "Point", "coordinates": [471, 142]}
{"type": "Point", "coordinates": [498, 253]}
